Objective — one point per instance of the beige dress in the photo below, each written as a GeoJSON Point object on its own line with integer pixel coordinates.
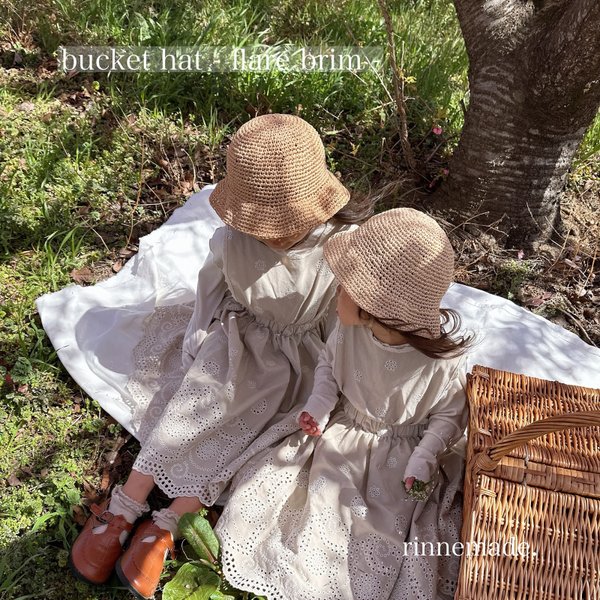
{"type": "Point", "coordinates": [328, 517]}
{"type": "Point", "coordinates": [249, 352]}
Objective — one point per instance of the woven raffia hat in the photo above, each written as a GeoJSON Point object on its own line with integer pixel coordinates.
{"type": "Point", "coordinates": [397, 266]}
{"type": "Point", "coordinates": [277, 181]}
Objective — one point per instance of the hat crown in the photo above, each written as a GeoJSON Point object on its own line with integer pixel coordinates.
{"type": "Point", "coordinates": [273, 137]}
{"type": "Point", "coordinates": [397, 266]}
{"type": "Point", "coordinates": [263, 153]}
{"type": "Point", "coordinates": [277, 180]}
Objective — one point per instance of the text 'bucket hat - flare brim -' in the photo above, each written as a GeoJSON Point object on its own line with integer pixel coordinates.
{"type": "Point", "coordinates": [277, 182]}
{"type": "Point", "coordinates": [397, 266]}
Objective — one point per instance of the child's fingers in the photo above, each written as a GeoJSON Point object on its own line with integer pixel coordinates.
{"type": "Point", "coordinates": [310, 429]}
{"type": "Point", "coordinates": [308, 424]}
{"type": "Point", "coordinates": [305, 418]}
{"type": "Point", "coordinates": [314, 431]}
{"type": "Point", "coordinates": [408, 483]}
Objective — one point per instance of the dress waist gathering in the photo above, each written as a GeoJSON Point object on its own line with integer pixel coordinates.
{"type": "Point", "coordinates": [381, 428]}
{"type": "Point", "coordinates": [230, 305]}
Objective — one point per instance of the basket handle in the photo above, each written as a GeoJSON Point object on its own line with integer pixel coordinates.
{"type": "Point", "coordinates": [488, 459]}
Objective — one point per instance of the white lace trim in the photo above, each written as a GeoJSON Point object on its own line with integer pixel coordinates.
{"type": "Point", "coordinates": [157, 366]}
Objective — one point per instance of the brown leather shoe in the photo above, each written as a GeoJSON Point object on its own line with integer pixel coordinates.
{"type": "Point", "coordinates": [93, 555]}
{"type": "Point", "coordinates": [141, 565]}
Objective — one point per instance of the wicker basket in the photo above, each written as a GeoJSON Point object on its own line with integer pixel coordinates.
{"type": "Point", "coordinates": [533, 476]}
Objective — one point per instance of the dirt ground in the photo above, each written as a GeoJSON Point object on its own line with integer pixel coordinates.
{"type": "Point", "coordinates": [561, 282]}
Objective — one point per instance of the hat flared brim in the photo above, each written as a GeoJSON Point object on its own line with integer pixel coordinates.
{"type": "Point", "coordinates": [271, 222]}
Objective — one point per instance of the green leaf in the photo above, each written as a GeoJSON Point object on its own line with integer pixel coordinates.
{"type": "Point", "coordinates": [219, 595]}
{"type": "Point", "coordinates": [192, 582]}
{"type": "Point", "coordinates": [198, 532]}
{"type": "Point", "coordinates": [21, 371]}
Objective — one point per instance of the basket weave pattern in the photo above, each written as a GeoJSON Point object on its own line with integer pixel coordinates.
{"type": "Point", "coordinates": [532, 475]}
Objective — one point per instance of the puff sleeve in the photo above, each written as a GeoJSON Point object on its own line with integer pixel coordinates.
{"type": "Point", "coordinates": [447, 422]}
{"type": "Point", "coordinates": [325, 392]}
{"type": "Point", "coordinates": [210, 291]}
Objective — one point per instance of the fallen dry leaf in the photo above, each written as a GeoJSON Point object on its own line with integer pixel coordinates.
{"type": "Point", "coordinates": [13, 480]}
{"type": "Point", "coordinates": [186, 187]}
{"type": "Point", "coordinates": [83, 275]}
{"type": "Point", "coordinates": [105, 483]}
{"type": "Point", "coordinates": [79, 515]}
{"type": "Point", "coordinates": [90, 493]}
{"type": "Point", "coordinates": [539, 300]}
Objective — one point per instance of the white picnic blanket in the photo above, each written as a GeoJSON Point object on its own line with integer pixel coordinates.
{"type": "Point", "coordinates": [95, 329]}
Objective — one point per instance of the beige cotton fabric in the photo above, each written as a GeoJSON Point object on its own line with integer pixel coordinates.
{"type": "Point", "coordinates": [249, 353]}
{"type": "Point", "coordinates": [327, 517]}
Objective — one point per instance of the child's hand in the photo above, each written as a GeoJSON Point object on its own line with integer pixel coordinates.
{"type": "Point", "coordinates": [408, 483]}
{"type": "Point", "coordinates": [309, 425]}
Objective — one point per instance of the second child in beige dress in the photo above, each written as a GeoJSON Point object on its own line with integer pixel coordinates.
{"type": "Point", "coordinates": [329, 510]}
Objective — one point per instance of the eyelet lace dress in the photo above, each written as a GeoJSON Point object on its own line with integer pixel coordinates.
{"type": "Point", "coordinates": [246, 358]}
{"type": "Point", "coordinates": [328, 517]}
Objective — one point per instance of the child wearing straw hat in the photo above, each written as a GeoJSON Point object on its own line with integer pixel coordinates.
{"type": "Point", "coordinates": [330, 511]}
{"type": "Point", "coordinates": [249, 352]}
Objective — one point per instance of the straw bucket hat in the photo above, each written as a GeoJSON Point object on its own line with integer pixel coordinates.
{"type": "Point", "coordinates": [397, 266]}
{"type": "Point", "coordinates": [277, 181]}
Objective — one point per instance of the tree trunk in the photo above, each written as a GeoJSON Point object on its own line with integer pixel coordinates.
{"type": "Point", "coordinates": [534, 90]}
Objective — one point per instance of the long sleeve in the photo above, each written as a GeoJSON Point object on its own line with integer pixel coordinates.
{"type": "Point", "coordinates": [210, 291]}
{"type": "Point", "coordinates": [447, 422]}
{"type": "Point", "coordinates": [325, 390]}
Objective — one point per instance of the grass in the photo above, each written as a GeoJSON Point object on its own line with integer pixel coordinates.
{"type": "Point", "coordinates": [50, 440]}
{"type": "Point", "coordinates": [90, 163]}
{"type": "Point", "coordinates": [431, 62]}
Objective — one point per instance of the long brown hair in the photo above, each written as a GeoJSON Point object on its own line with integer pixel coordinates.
{"type": "Point", "coordinates": [448, 345]}
{"type": "Point", "coordinates": [359, 208]}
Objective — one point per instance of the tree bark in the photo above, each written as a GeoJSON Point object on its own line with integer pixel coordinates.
{"type": "Point", "coordinates": [534, 81]}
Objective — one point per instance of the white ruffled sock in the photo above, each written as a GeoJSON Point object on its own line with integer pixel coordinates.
{"type": "Point", "coordinates": [122, 504]}
{"type": "Point", "coordinates": [165, 519]}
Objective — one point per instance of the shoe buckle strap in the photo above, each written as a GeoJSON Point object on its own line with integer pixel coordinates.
{"type": "Point", "coordinates": [104, 516]}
